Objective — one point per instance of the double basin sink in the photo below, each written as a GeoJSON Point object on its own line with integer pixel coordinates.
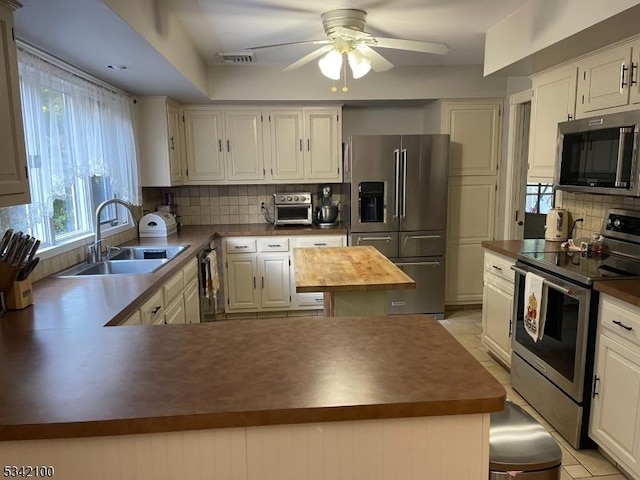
{"type": "Point", "coordinates": [128, 261]}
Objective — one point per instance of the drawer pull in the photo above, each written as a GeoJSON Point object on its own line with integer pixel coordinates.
{"type": "Point", "coordinates": [155, 310]}
{"type": "Point", "coordinates": [272, 245]}
{"type": "Point", "coordinates": [620, 324]}
{"type": "Point", "coordinates": [497, 268]}
{"type": "Point", "coordinates": [319, 244]}
{"type": "Point", "coordinates": [318, 299]}
{"type": "Point", "coordinates": [241, 246]}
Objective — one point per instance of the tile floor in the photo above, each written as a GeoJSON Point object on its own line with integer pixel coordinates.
{"type": "Point", "coordinates": [466, 327]}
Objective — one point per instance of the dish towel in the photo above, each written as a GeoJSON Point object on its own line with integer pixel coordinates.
{"type": "Point", "coordinates": [534, 306]}
{"type": "Point", "coordinates": [212, 280]}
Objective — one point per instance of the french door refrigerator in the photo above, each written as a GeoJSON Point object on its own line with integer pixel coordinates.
{"type": "Point", "coordinates": [396, 200]}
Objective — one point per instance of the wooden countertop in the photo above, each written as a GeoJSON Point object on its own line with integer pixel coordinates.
{"type": "Point", "coordinates": [345, 269]}
{"type": "Point", "coordinates": [511, 248]}
{"type": "Point", "coordinates": [80, 382]}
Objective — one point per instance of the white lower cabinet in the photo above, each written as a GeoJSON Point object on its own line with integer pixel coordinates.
{"type": "Point", "coordinates": [259, 274]}
{"type": "Point", "coordinates": [497, 305]}
{"type": "Point", "coordinates": [177, 301]}
{"type": "Point", "coordinates": [615, 410]}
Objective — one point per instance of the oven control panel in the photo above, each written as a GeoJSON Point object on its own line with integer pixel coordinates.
{"type": "Point", "coordinates": [292, 198]}
{"type": "Point", "coordinates": [622, 222]}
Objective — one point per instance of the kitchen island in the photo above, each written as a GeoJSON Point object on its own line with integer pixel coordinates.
{"type": "Point", "coordinates": [384, 397]}
{"type": "Point", "coordinates": [355, 280]}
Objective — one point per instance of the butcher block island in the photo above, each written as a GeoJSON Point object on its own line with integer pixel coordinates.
{"type": "Point", "coordinates": [292, 398]}
{"type": "Point", "coordinates": [355, 280]}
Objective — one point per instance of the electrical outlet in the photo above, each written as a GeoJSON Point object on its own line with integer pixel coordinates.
{"type": "Point", "coordinates": [261, 205]}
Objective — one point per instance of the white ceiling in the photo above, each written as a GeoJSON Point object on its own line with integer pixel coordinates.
{"type": "Point", "coordinates": [217, 26]}
{"type": "Point", "coordinates": [89, 35]}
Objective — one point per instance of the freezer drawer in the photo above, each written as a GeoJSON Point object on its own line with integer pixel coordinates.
{"type": "Point", "coordinates": [386, 242]}
{"type": "Point", "coordinates": [428, 296]}
{"type": "Point", "coordinates": [429, 243]}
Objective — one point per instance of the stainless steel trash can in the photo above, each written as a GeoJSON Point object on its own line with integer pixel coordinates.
{"type": "Point", "coordinates": [521, 448]}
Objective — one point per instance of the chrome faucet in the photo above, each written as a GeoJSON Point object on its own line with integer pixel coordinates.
{"type": "Point", "coordinates": [94, 250]}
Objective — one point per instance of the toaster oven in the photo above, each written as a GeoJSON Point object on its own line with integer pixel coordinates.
{"type": "Point", "coordinates": [293, 208]}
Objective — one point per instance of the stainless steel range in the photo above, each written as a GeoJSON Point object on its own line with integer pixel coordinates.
{"type": "Point", "coordinates": [554, 374]}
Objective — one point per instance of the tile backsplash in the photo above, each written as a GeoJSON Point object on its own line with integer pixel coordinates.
{"type": "Point", "coordinates": [226, 204]}
{"type": "Point", "coordinates": [592, 208]}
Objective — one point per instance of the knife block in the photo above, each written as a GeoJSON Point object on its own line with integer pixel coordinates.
{"type": "Point", "coordinates": [19, 295]}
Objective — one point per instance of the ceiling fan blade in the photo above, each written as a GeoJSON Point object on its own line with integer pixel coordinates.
{"type": "Point", "coordinates": [378, 62]}
{"type": "Point", "coordinates": [307, 58]}
{"type": "Point", "coordinates": [413, 45]}
{"type": "Point", "coordinates": [276, 45]}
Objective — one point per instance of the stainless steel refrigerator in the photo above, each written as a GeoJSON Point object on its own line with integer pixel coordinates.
{"type": "Point", "coordinates": [396, 200]}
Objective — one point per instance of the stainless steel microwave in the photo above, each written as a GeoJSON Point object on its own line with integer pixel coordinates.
{"type": "Point", "coordinates": [599, 155]}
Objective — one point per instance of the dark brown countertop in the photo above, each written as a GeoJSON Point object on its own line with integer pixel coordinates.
{"type": "Point", "coordinates": [625, 290]}
{"type": "Point", "coordinates": [346, 269]}
{"type": "Point", "coordinates": [79, 382]}
{"type": "Point", "coordinates": [511, 248]}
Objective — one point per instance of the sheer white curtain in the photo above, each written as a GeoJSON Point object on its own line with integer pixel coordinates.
{"type": "Point", "coordinates": [75, 130]}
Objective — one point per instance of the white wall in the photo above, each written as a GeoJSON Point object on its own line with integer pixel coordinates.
{"type": "Point", "coordinates": [256, 83]}
{"type": "Point", "coordinates": [539, 24]}
{"type": "Point", "coordinates": [382, 121]}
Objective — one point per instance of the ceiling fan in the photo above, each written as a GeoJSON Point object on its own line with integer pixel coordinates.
{"type": "Point", "coordinates": [346, 38]}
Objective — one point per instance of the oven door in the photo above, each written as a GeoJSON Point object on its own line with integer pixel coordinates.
{"type": "Point", "coordinates": [560, 355]}
{"type": "Point", "coordinates": [293, 214]}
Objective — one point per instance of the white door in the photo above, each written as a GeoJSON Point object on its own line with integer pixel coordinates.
{"type": "Point", "coordinates": [204, 145]}
{"type": "Point", "coordinates": [497, 308]}
{"type": "Point", "coordinates": [287, 144]}
{"type": "Point", "coordinates": [615, 415]}
{"type": "Point", "coordinates": [474, 129]}
{"type": "Point", "coordinates": [241, 282]}
{"type": "Point", "coordinates": [322, 149]}
{"type": "Point", "coordinates": [173, 124]}
{"type": "Point", "coordinates": [554, 101]}
{"type": "Point", "coordinates": [603, 81]}
{"type": "Point", "coordinates": [243, 130]}
{"type": "Point", "coordinates": [470, 221]}
{"type": "Point", "coordinates": [192, 303]}
{"type": "Point", "coordinates": [14, 179]}
{"type": "Point", "coordinates": [274, 280]}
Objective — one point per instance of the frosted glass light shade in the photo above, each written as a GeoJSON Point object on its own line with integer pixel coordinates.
{"type": "Point", "coordinates": [360, 65]}
{"type": "Point", "coordinates": [331, 64]}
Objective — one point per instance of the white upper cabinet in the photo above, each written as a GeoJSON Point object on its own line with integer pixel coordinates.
{"type": "Point", "coordinates": [324, 142]}
{"type": "Point", "coordinates": [160, 142]}
{"type": "Point", "coordinates": [14, 178]}
{"type": "Point", "coordinates": [554, 101]}
{"type": "Point", "coordinates": [287, 139]}
{"type": "Point", "coordinates": [204, 134]}
{"type": "Point", "coordinates": [244, 149]}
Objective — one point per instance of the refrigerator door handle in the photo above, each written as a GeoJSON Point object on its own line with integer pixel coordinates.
{"type": "Point", "coordinates": [422, 237]}
{"type": "Point", "coordinates": [396, 206]}
{"type": "Point", "coordinates": [405, 264]}
{"type": "Point", "coordinates": [373, 239]}
{"type": "Point", "coordinates": [404, 183]}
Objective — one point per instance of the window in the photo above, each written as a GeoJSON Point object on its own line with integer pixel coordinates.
{"type": "Point", "coordinates": [80, 148]}
{"type": "Point", "coordinates": [539, 198]}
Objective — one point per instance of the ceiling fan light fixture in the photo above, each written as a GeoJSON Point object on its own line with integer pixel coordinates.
{"type": "Point", "coordinates": [360, 65]}
{"type": "Point", "coordinates": [331, 64]}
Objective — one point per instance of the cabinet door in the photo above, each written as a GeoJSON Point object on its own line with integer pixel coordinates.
{"type": "Point", "coordinates": [615, 414]}
{"type": "Point", "coordinates": [603, 81]}
{"type": "Point", "coordinates": [175, 312]}
{"type": "Point", "coordinates": [497, 307]}
{"type": "Point", "coordinates": [132, 320]}
{"type": "Point", "coordinates": [204, 145]}
{"type": "Point", "coordinates": [14, 179]}
{"type": "Point", "coordinates": [554, 101]}
{"type": "Point", "coordinates": [470, 221]}
{"type": "Point", "coordinates": [192, 303]}
{"type": "Point", "coordinates": [244, 148]}
{"type": "Point", "coordinates": [274, 280]}
{"type": "Point", "coordinates": [323, 145]}
{"type": "Point", "coordinates": [634, 80]}
{"type": "Point", "coordinates": [474, 130]}
{"type": "Point", "coordinates": [173, 124]}
{"type": "Point", "coordinates": [286, 144]}
{"type": "Point", "coordinates": [241, 282]}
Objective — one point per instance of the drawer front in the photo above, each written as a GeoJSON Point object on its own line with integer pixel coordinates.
{"type": "Point", "coordinates": [275, 244]}
{"type": "Point", "coordinates": [152, 310]}
{"type": "Point", "coordinates": [190, 271]}
{"type": "Point", "coordinates": [386, 243]}
{"type": "Point", "coordinates": [320, 241]}
{"type": "Point", "coordinates": [620, 318]}
{"type": "Point", "coordinates": [499, 265]}
{"type": "Point", "coordinates": [311, 300]}
{"type": "Point", "coordinates": [423, 244]}
{"type": "Point", "coordinates": [173, 288]}
{"type": "Point", "coordinates": [133, 319]}
{"type": "Point", "coordinates": [240, 245]}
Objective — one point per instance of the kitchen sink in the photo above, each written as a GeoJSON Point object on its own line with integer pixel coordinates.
{"type": "Point", "coordinates": [115, 267]}
{"type": "Point", "coordinates": [150, 252]}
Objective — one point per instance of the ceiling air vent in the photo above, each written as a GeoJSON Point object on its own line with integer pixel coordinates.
{"type": "Point", "coordinates": [238, 58]}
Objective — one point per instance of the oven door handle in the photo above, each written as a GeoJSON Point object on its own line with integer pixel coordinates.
{"type": "Point", "coordinates": [566, 291]}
